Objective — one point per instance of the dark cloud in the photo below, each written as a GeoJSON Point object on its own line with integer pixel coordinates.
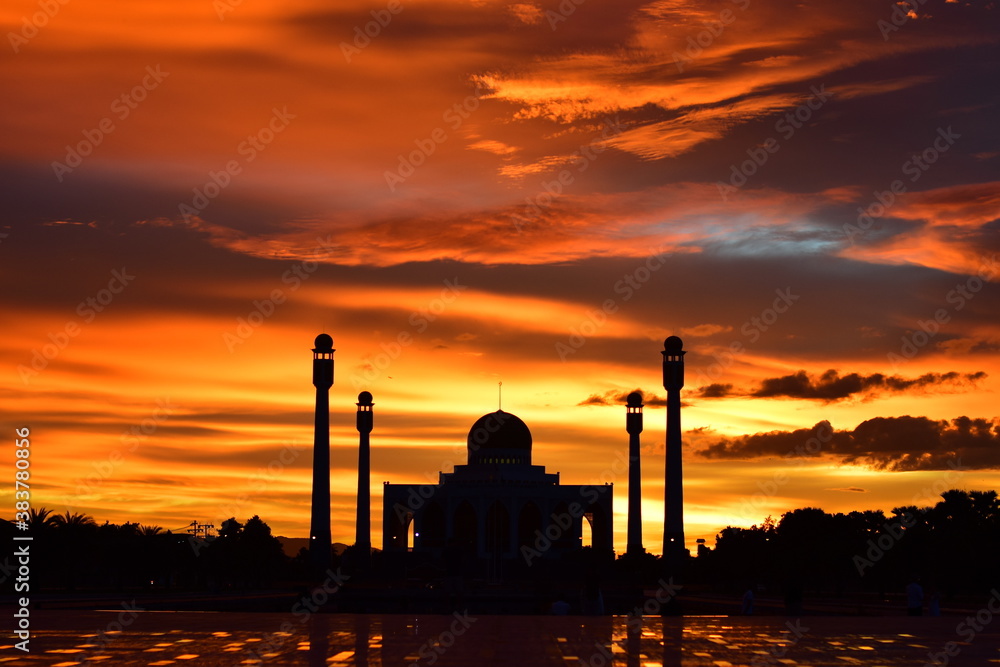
{"type": "Point", "coordinates": [831, 386]}
{"type": "Point", "coordinates": [715, 390]}
{"type": "Point", "coordinates": [892, 444]}
{"type": "Point", "coordinates": [850, 489]}
{"type": "Point", "coordinates": [615, 397]}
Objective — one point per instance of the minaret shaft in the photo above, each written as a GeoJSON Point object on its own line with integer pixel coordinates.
{"type": "Point", "coordinates": [319, 524]}
{"type": "Point", "coordinates": [363, 524]}
{"type": "Point", "coordinates": [633, 424]}
{"type": "Point", "coordinates": [673, 491]}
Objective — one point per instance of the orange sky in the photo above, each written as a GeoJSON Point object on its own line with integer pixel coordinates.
{"type": "Point", "coordinates": [483, 181]}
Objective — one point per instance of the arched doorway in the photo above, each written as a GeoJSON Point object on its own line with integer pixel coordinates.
{"type": "Point", "coordinates": [432, 526]}
{"type": "Point", "coordinates": [466, 526]}
{"type": "Point", "coordinates": [497, 529]}
{"type": "Point", "coordinates": [529, 526]}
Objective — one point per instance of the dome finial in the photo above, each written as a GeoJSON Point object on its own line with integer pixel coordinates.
{"type": "Point", "coordinates": [324, 342]}
{"type": "Point", "coordinates": [673, 344]}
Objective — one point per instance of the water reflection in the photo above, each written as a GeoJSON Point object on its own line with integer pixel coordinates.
{"type": "Point", "coordinates": [376, 640]}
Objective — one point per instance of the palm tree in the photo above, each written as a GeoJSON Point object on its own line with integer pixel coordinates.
{"type": "Point", "coordinates": [73, 520]}
{"type": "Point", "coordinates": [41, 519]}
{"type": "Point", "coordinates": [150, 531]}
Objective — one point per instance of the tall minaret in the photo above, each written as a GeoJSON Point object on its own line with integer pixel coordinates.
{"type": "Point", "coordinates": [633, 424]}
{"type": "Point", "coordinates": [319, 526]}
{"type": "Point", "coordinates": [363, 535]}
{"type": "Point", "coordinates": [673, 493]}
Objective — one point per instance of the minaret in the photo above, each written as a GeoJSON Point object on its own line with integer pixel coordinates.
{"type": "Point", "coordinates": [363, 535]}
{"type": "Point", "coordinates": [633, 424]}
{"type": "Point", "coordinates": [319, 526]}
{"type": "Point", "coordinates": [673, 493]}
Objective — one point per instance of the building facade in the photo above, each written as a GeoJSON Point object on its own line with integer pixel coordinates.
{"type": "Point", "coordinates": [498, 506]}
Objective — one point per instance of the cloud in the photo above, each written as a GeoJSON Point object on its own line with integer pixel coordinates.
{"type": "Point", "coordinates": [850, 489]}
{"type": "Point", "coordinates": [831, 386]}
{"type": "Point", "coordinates": [704, 330]}
{"type": "Point", "coordinates": [893, 444]}
{"type": "Point", "coordinates": [715, 390]}
{"type": "Point", "coordinates": [616, 397]}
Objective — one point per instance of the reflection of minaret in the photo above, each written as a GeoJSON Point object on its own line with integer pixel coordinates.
{"type": "Point", "coordinates": [319, 526]}
{"type": "Point", "coordinates": [363, 539]}
{"type": "Point", "coordinates": [673, 493]}
{"type": "Point", "coordinates": [633, 424]}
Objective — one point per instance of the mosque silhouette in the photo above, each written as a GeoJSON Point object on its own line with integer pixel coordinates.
{"type": "Point", "coordinates": [499, 509]}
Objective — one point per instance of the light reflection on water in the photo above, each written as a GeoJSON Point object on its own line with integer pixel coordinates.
{"type": "Point", "coordinates": [382, 639]}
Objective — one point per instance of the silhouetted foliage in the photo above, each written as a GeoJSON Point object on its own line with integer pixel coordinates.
{"type": "Point", "coordinates": [73, 552]}
{"type": "Point", "coordinates": [953, 547]}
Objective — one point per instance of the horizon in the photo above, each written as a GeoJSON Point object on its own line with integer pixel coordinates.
{"type": "Point", "coordinates": [533, 193]}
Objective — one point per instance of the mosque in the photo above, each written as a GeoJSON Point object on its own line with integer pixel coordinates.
{"type": "Point", "coordinates": [499, 507]}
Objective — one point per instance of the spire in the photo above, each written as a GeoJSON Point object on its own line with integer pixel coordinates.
{"type": "Point", "coordinates": [365, 422]}
{"type": "Point", "coordinates": [319, 525]}
{"type": "Point", "coordinates": [673, 493]}
{"type": "Point", "coordinates": [633, 424]}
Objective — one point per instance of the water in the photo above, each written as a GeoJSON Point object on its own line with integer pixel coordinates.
{"type": "Point", "coordinates": [67, 639]}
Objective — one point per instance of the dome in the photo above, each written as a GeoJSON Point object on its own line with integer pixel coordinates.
{"type": "Point", "coordinates": [499, 430]}
{"type": "Point", "coordinates": [673, 344]}
{"type": "Point", "coordinates": [634, 400]}
{"type": "Point", "coordinates": [365, 398]}
{"type": "Point", "coordinates": [324, 342]}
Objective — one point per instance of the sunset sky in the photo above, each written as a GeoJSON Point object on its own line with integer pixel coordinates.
{"type": "Point", "coordinates": [467, 193]}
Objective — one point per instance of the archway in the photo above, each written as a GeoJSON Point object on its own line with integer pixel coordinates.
{"type": "Point", "coordinates": [529, 526]}
{"type": "Point", "coordinates": [466, 526]}
{"type": "Point", "coordinates": [497, 529]}
{"type": "Point", "coordinates": [432, 526]}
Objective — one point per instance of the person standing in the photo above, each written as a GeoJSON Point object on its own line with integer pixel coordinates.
{"type": "Point", "coordinates": [914, 598]}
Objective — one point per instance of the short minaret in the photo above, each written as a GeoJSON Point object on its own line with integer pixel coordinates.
{"type": "Point", "coordinates": [319, 526]}
{"type": "Point", "coordinates": [673, 493]}
{"type": "Point", "coordinates": [363, 534]}
{"type": "Point", "coordinates": [633, 424]}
